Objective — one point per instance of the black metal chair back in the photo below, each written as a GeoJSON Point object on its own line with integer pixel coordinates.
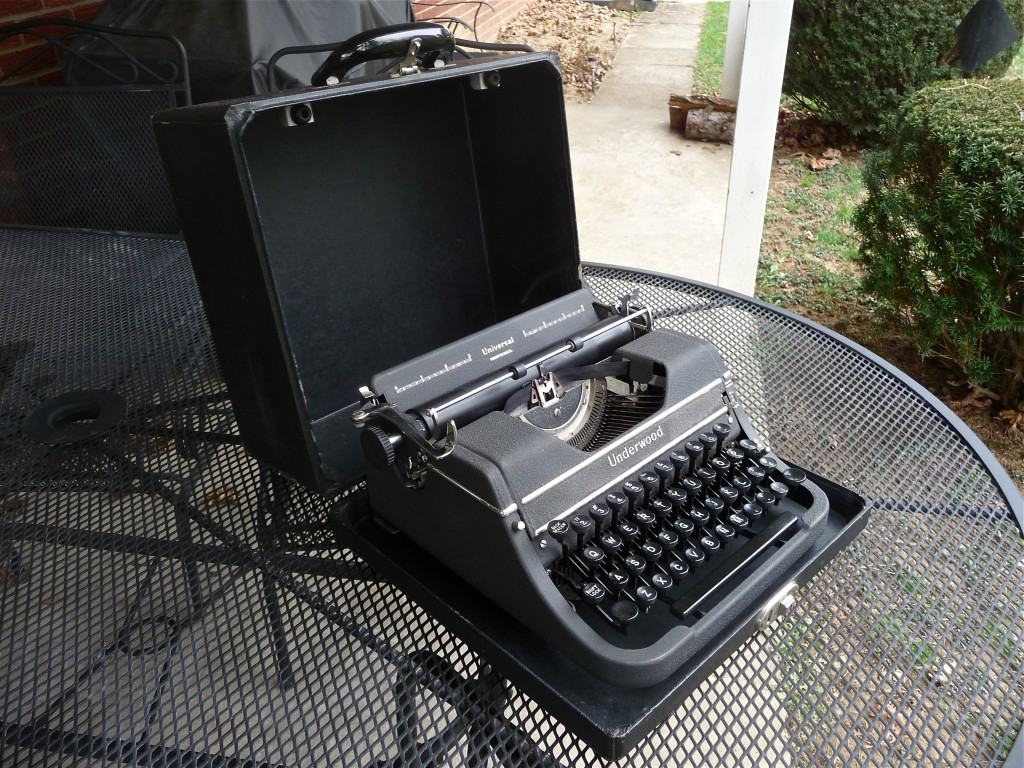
{"type": "Point", "coordinates": [76, 144]}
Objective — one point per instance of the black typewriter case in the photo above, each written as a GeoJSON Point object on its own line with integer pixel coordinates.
{"type": "Point", "coordinates": [338, 231]}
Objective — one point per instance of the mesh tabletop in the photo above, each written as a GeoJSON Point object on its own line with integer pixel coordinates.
{"type": "Point", "coordinates": [165, 600]}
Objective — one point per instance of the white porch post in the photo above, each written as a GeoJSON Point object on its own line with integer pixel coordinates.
{"type": "Point", "coordinates": [760, 89]}
{"type": "Point", "coordinates": [734, 35]}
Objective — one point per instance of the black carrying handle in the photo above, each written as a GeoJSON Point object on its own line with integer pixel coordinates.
{"type": "Point", "coordinates": [391, 42]}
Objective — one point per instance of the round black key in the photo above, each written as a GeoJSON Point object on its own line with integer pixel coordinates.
{"type": "Point", "coordinates": [634, 492]}
{"type": "Point", "coordinates": [721, 466]}
{"type": "Point", "coordinates": [734, 455]}
{"type": "Point", "coordinates": [756, 475]}
{"type": "Point", "coordinates": [617, 503]}
{"type": "Point", "coordinates": [645, 519]}
{"type": "Point", "coordinates": [601, 514]}
{"type": "Point", "coordinates": [721, 430]}
{"type": "Point", "coordinates": [767, 463]}
{"type": "Point", "coordinates": [706, 475]}
{"type": "Point", "coordinates": [710, 442]}
{"type": "Point", "coordinates": [781, 490]}
{"type": "Point", "coordinates": [618, 579]}
{"type": "Point", "coordinates": [628, 530]}
{"type": "Point", "coordinates": [753, 510]}
{"type": "Point", "coordinates": [699, 514]}
{"type": "Point", "coordinates": [695, 451]}
{"type": "Point", "coordinates": [724, 531]}
{"type": "Point", "coordinates": [677, 569]}
{"type": "Point", "coordinates": [765, 498]}
{"type": "Point", "coordinates": [634, 565]}
{"type": "Point", "coordinates": [729, 495]}
{"type": "Point", "coordinates": [583, 526]}
{"type": "Point", "coordinates": [694, 554]}
{"type": "Point", "coordinates": [681, 461]}
{"type": "Point", "coordinates": [666, 472]}
{"type": "Point", "coordinates": [624, 611]}
{"type": "Point", "coordinates": [676, 497]}
{"type": "Point", "coordinates": [748, 446]}
{"type": "Point", "coordinates": [592, 592]}
{"type": "Point", "coordinates": [741, 483]}
{"type": "Point", "coordinates": [692, 487]}
{"type": "Point", "coordinates": [558, 529]}
{"type": "Point", "coordinates": [669, 540]}
{"type": "Point", "coordinates": [651, 483]}
{"type": "Point", "coordinates": [592, 555]}
{"type": "Point", "coordinates": [710, 543]}
{"type": "Point", "coordinates": [661, 508]}
{"type": "Point", "coordinates": [714, 506]}
{"type": "Point", "coordinates": [683, 527]}
{"type": "Point", "coordinates": [794, 476]}
{"type": "Point", "coordinates": [661, 582]}
{"type": "Point", "coordinates": [646, 595]}
{"type": "Point", "coordinates": [610, 542]}
{"type": "Point", "coordinates": [651, 551]}
{"type": "Point", "coordinates": [738, 519]}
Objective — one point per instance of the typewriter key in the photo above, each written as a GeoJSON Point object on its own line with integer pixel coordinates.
{"type": "Point", "coordinates": [710, 442]}
{"type": "Point", "coordinates": [634, 565]}
{"type": "Point", "coordinates": [618, 579]}
{"type": "Point", "coordinates": [651, 483]}
{"type": "Point", "coordinates": [694, 554]}
{"type": "Point", "coordinates": [628, 531]}
{"type": "Point", "coordinates": [683, 527]}
{"type": "Point", "coordinates": [668, 539]}
{"type": "Point", "coordinates": [624, 611]}
{"type": "Point", "coordinates": [583, 526]}
{"type": "Point", "coordinates": [695, 451]}
{"type": "Point", "coordinates": [646, 596]}
{"type": "Point", "coordinates": [724, 531]}
{"type": "Point", "coordinates": [592, 592]}
{"type": "Point", "coordinates": [651, 551]}
{"type": "Point", "coordinates": [634, 492]}
{"type": "Point", "coordinates": [681, 461]}
{"type": "Point", "coordinates": [661, 509]}
{"type": "Point", "coordinates": [617, 503]}
{"type": "Point", "coordinates": [601, 515]}
{"type": "Point", "coordinates": [677, 569]}
{"type": "Point", "coordinates": [710, 543]}
{"type": "Point", "coordinates": [794, 477]}
{"type": "Point", "coordinates": [781, 490]}
{"type": "Point", "coordinates": [661, 582]}
{"type": "Point", "coordinates": [592, 556]}
{"type": "Point", "coordinates": [666, 472]}
{"type": "Point", "coordinates": [610, 542]}
{"type": "Point", "coordinates": [721, 430]}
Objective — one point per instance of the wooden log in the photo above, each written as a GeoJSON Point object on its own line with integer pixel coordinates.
{"type": "Point", "coordinates": [680, 106]}
{"type": "Point", "coordinates": [710, 125]}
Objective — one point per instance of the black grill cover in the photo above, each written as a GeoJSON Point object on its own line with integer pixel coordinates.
{"type": "Point", "coordinates": [229, 41]}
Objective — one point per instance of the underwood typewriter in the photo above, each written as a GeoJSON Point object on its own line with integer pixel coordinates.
{"type": "Point", "coordinates": [394, 287]}
{"type": "Point", "coordinates": [595, 478]}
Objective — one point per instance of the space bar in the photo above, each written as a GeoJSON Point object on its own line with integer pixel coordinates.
{"type": "Point", "coordinates": [778, 528]}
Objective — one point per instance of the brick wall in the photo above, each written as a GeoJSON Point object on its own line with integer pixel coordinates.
{"type": "Point", "coordinates": [46, 69]}
{"type": "Point", "coordinates": [488, 22]}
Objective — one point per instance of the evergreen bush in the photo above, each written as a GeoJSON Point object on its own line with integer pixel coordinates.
{"type": "Point", "coordinates": [942, 227]}
{"type": "Point", "coordinates": [852, 62]}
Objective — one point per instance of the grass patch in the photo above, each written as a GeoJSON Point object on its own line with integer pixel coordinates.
{"type": "Point", "coordinates": [1016, 68]}
{"type": "Point", "coordinates": [707, 72]}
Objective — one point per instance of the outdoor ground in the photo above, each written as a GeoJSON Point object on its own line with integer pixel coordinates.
{"type": "Point", "coordinates": [584, 35]}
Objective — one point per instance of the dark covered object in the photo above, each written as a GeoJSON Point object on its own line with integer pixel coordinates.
{"type": "Point", "coordinates": [986, 31]}
{"type": "Point", "coordinates": [230, 41]}
{"type": "Point", "coordinates": [405, 214]}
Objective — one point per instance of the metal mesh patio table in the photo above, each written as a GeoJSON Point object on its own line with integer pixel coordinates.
{"type": "Point", "coordinates": [167, 600]}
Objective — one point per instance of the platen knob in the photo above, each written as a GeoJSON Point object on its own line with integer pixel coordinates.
{"type": "Point", "coordinates": [379, 446]}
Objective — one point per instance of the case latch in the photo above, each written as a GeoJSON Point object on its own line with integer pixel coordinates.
{"type": "Point", "coordinates": [777, 607]}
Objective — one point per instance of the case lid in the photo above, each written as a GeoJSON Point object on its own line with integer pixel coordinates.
{"type": "Point", "coordinates": [403, 214]}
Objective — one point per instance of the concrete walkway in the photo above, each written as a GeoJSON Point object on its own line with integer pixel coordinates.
{"type": "Point", "coordinates": [646, 197]}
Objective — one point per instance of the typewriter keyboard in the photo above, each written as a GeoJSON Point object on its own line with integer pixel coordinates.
{"type": "Point", "coordinates": [675, 535]}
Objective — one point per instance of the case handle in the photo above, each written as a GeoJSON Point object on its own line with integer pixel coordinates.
{"type": "Point", "coordinates": [396, 41]}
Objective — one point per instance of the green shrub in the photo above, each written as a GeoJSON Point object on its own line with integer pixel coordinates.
{"type": "Point", "coordinates": [942, 226]}
{"type": "Point", "coordinates": [852, 62]}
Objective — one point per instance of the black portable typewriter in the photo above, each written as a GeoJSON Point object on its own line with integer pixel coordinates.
{"type": "Point", "coordinates": [390, 269]}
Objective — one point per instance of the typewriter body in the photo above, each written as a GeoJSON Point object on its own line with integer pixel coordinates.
{"type": "Point", "coordinates": [401, 322]}
{"type": "Point", "coordinates": [599, 481]}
